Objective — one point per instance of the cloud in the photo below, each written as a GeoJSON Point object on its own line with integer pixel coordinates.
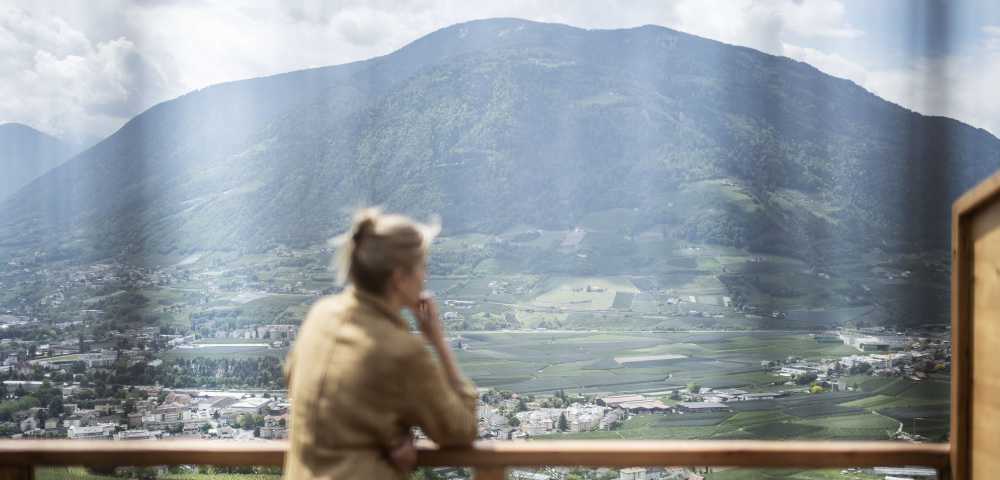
{"type": "Point", "coordinates": [62, 82]}
{"type": "Point", "coordinates": [829, 63]}
{"type": "Point", "coordinates": [992, 41]}
{"type": "Point", "coordinates": [765, 25]}
{"type": "Point", "coordinates": [959, 86]}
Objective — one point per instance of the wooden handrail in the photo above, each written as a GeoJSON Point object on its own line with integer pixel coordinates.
{"type": "Point", "coordinates": [491, 455]}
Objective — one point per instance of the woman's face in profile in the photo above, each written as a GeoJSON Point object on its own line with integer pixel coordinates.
{"type": "Point", "coordinates": [409, 284]}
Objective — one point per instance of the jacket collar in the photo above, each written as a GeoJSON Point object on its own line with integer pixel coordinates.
{"type": "Point", "coordinates": [379, 304]}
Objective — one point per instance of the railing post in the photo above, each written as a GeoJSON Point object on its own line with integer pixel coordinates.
{"type": "Point", "coordinates": [490, 473]}
{"type": "Point", "coordinates": [11, 472]}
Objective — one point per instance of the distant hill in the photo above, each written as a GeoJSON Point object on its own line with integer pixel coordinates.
{"type": "Point", "coordinates": [26, 154]}
{"type": "Point", "coordinates": [500, 122]}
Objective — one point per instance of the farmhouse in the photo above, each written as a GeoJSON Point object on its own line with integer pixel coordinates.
{"type": "Point", "coordinates": [644, 406]}
{"type": "Point", "coordinates": [701, 407]}
{"type": "Point", "coordinates": [616, 400]}
{"type": "Point", "coordinates": [254, 406]}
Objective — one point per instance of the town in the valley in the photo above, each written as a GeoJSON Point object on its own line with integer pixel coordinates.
{"type": "Point", "coordinates": [122, 352]}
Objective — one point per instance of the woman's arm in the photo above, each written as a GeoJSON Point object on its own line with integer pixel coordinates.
{"type": "Point", "coordinates": [433, 330]}
{"type": "Point", "coordinates": [437, 398]}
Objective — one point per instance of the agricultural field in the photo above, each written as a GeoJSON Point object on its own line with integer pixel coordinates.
{"type": "Point", "coordinates": [583, 293]}
{"type": "Point", "coordinates": [598, 363]}
{"type": "Point", "coordinates": [603, 362]}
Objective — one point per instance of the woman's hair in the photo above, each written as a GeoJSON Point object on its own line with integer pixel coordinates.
{"type": "Point", "coordinates": [379, 243]}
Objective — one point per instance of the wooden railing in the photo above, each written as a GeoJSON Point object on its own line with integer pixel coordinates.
{"type": "Point", "coordinates": [18, 458]}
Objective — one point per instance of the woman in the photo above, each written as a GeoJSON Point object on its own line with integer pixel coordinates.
{"type": "Point", "coordinates": [358, 379]}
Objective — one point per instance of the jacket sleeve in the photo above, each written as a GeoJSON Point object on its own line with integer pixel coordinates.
{"type": "Point", "coordinates": [447, 416]}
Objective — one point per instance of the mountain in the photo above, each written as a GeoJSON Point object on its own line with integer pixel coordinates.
{"type": "Point", "coordinates": [505, 122]}
{"type": "Point", "coordinates": [26, 154]}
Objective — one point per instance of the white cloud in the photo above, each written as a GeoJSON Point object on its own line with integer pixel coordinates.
{"type": "Point", "coordinates": [961, 87]}
{"type": "Point", "coordinates": [992, 41]}
{"type": "Point", "coordinates": [764, 25]}
{"type": "Point", "coordinates": [59, 81]}
{"type": "Point", "coordinates": [829, 63]}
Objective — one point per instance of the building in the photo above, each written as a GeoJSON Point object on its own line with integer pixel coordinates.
{"type": "Point", "coordinates": [273, 433]}
{"type": "Point", "coordinates": [29, 423]}
{"type": "Point", "coordinates": [525, 475]}
{"type": "Point", "coordinates": [135, 435]}
{"type": "Point", "coordinates": [537, 424]}
{"type": "Point", "coordinates": [251, 406]}
{"type": "Point", "coordinates": [26, 385]}
{"type": "Point", "coordinates": [615, 401]}
{"type": "Point", "coordinates": [873, 347]}
{"type": "Point", "coordinates": [217, 403]}
{"type": "Point", "coordinates": [95, 432]}
{"type": "Point", "coordinates": [634, 473]}
{"type": "Point", "coordinates": [610, 419]}
{"type": "Point", "coordinates": [585, 423]}
{"type": "Point", "coordinates": [644, 406]}
{"type": "Point", "coordinates": [747, 397]}
{"type": "Point", "coordinates": [702, 407]}
{"type": "Point", "coordinates": [906, 472]}
{"type": "Point", "coordinates": [134, 420]}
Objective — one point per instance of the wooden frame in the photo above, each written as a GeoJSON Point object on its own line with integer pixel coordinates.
{"type": "Point", "coordinates": [964, 213]}
{"type": "Point", "coordinates": [490, 459]}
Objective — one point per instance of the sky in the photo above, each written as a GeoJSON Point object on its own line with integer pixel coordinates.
{"type": "Point", "coordinates": [79, 70]}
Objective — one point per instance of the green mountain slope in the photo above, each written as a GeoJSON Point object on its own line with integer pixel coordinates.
{"type": "Point", "coordinates": [501, 122]}
{"type": "Point", "coordinates": [26, 154]}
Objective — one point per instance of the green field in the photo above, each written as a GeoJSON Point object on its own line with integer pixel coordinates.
{"type": "Point", "coordinates": [584, 362]}
{"type": "Point", "coordinates": [540, 362]}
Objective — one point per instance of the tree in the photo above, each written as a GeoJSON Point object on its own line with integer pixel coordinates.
{"type": "Point", "coordinates": [694, 388]}
{"type": "Point", "coordinates": [806, 378]}
{"type": "Point", "coordinates": [563, 424]}
{"type": "Point", "coordinates": [55, 406]}
{"type": "Point", "coordinates": [860, 368]}
{"type": "Point", "coordinates": [514, 422]}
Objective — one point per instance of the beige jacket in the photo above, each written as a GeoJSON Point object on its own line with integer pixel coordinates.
{"type": "Point", "coordinates": [358, 380]}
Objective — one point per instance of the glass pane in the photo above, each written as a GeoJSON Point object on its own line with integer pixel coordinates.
{"type": "Point", "coordinates": [731, 223]}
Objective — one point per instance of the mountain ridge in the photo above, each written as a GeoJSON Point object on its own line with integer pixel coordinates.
{"type": "Point", "coordinates": [433, 126]}
{"type": "Point", "coordinates": [25, 154]}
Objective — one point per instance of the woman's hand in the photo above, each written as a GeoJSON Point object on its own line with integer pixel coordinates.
{"type": "Point", "coordinates": [428, 321]}
{"type": "Point", "coordinates": [404, 455]}
{"type": "Point", "coordinates": [433, 330]}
